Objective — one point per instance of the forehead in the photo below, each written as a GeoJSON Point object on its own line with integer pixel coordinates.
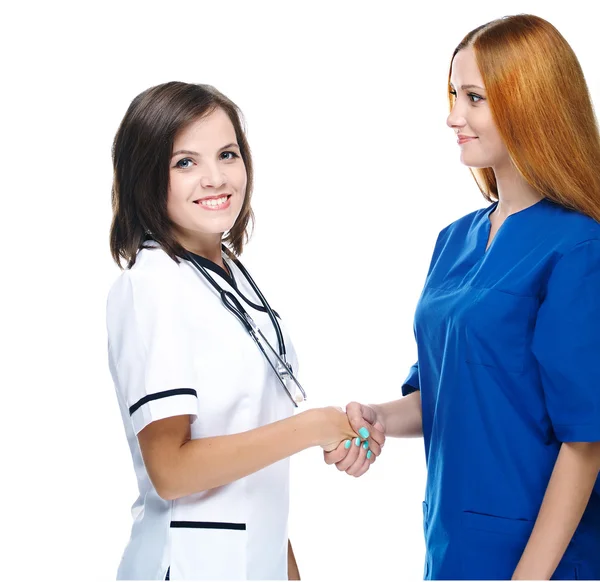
{"type": "Point", "coordinates": [465, 70]}
{"type": "Point", "coordinates": [214, 129]}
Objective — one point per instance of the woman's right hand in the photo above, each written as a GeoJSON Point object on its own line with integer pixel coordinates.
{"type": "Point", "coordinates": [331, 427]}
{"type": "Point", "coordinates": [355, 460]}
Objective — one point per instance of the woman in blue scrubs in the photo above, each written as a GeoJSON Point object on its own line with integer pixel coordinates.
{"type": "Point", "coordinates": [506, 390]}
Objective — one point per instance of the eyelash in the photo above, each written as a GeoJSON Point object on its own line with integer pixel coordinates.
{"type": "Point", "coordinates": [233, 154]}
{"type": "Point", "coordinates": [182, 160]}
{"type": "Point", "coordinates": [470, 96]}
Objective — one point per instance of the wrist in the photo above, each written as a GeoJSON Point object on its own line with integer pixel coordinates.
{"type": "Point", "coordinates": [310, 421]}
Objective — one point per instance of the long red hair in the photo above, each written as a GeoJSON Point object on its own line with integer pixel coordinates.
{"type": "Point", "coordinates": [542, 108]}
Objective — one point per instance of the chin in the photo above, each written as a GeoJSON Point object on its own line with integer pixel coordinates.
{"type": "Point", "coordinates": [474, 163]}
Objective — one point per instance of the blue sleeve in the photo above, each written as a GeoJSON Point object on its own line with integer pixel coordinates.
{"type": "Point", "coordinates": [411, 384]}
{"type": "Point", "coordinates": [566, 344]}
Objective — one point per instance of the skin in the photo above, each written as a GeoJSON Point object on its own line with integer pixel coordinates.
{"type": "Point", "coordinates": [578, 464]}
{"type": "Point", "coordinates": [206, 162]}
{"type": "Point", "coordinates": [472, 117]}
{"type": "Point", "coordinates": [293, 572]}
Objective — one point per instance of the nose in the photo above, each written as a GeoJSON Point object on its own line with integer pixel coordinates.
{"type": "Point", "coordinates": [212, 176]}
{"type": "Point", "coordinates": [456, 119]}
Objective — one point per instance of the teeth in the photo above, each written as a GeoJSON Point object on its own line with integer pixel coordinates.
{"type": "Point", "coordinates": [217, 202]}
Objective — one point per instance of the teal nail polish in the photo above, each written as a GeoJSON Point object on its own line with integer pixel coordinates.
{"type": "Point", "coordinates": [364, 433]}
{"type": "Point", "coordinates": [348, 444]}
{"type": "Point", "coordinates": [369, 455]}
{"type": "Point", "coordinates": [357, 442]}
{"type": "Point", "coordinates": [365, 445]}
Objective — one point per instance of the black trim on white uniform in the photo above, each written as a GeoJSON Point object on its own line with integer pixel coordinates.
{"type": "Point", "coordinates": [159, 395]}
{"type": "Point", "coordinates": [209, 525]}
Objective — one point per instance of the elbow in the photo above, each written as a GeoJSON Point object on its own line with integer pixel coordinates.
{"type": "Point", "coordinates": [170, 489]}
{"type": "Point", "coordinates": [164, 489]}
{"type": "Point", "coordinates": [166, 494]}
{"type": "Point", "coordinates": [165, 486]}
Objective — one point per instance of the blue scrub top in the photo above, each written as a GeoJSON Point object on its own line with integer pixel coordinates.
{"type": "Point", "coordinates": [509, 368]}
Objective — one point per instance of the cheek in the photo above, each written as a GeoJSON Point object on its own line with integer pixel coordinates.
{"type": "Point", "coordinates": [494, 144]}
{"type": "Point", "coordinates": [180, 186]}
{"type": "Point", "coordinates": [177, 195]}
{"type": "Point", "coordinates": [240, 179]}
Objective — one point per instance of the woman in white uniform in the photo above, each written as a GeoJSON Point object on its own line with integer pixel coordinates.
{"type": "Point", "coordinates": [208, 420]}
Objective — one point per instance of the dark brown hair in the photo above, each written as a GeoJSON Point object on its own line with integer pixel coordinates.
{"type": "Point", "coordinates": [542, 108]}
{"type": "Point", "coordinates": [141, 155]}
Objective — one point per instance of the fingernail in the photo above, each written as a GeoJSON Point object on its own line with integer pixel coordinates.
{"type": "Point", "coordinates": [365, 445]}
{"type": "Point", "coordinates": [364, 433]}
{"type": "Point", "coordinates": [369, 454]}
{"type": "Point", "coordinates": [357, 442]}
{"type": "Point", "coordinates": [348, 444]}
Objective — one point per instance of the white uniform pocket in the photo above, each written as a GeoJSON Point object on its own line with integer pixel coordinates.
{"type": "Point", "coordinates": [208, 550]}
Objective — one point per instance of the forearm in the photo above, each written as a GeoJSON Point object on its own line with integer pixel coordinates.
{"type": "Point", "coordinates": [293, 572]}
{"type": "Point", "coordinates": [201, 464]}
{"type": "Point", "coordinates": [566, 498]}
{"type": "Point", "coordinates": [403, 417]}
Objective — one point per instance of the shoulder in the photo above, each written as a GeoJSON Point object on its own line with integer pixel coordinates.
{"type": "Point", "coordinates": [569, 229]}
{"type": "Point", "coordinates": [153, 276]}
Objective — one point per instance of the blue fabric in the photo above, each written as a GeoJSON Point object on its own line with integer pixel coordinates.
{"type": "Point", "coordinates": [508, 367]}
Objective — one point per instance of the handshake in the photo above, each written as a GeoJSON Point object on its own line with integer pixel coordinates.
{"type": "Point", "coordinates": [360, 438]}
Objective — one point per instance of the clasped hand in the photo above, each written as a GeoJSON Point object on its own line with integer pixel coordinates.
{"type": "Point", "coordinates": [355, 456]}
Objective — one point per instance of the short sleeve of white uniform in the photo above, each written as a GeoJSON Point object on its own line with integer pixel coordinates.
{"type": "Point", "coordinates": [149, 345]}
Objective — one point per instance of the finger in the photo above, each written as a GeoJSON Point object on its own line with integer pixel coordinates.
{"type": "Point", "coordinates": [357, 421]}
{"type": "Point", "coordinates": [360, 469]}
{"type": "Point", "coordinates": [366, 465]}
{"type": "Point", "coordinates": [330, 447]}
{"type": "Point", "coordinates": [352, 455]}
{"type": "Point", "coordinates": [363, 410]}
{"type": "Point", "coordinates": [359, 462]}
{"type": "Point", "coordinates": [374, 447]}
{"type": "Point", "coordinates": [377, 439]}
{"type": "Point", "coordinates": [337, 454]}
{"type": "Point", "coordinates": [377, 434]}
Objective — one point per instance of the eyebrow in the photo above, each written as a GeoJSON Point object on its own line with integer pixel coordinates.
{"type": "Point", "coordinates": [192, 153]}
{"type": "Point", "coordinates": [463, 87]}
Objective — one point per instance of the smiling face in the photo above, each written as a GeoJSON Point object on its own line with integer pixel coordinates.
{"type": "Point", "coordinates": [207, 182]}
{"type": "Point", "coordinates": [471, 118]}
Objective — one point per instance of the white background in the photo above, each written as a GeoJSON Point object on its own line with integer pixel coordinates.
{"type": "Point", "coordinates": [356, 173]}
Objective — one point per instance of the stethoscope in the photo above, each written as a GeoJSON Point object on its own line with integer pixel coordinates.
{"type": "Point", "coordinates": [281, 367]}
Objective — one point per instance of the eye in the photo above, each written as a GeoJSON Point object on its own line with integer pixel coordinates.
{"type": "Point", "coordinates": [475, 98]}
{"type": "Point", "coordinates": [229, 156]}
{"type": "Point", "coordinates": [184, 163]}
{"type": "Point", "coordinates": [452, 92]}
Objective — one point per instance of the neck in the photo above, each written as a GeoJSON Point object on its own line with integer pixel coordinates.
{"type": "Point", "coordinates": [514, 193]}
{"type": "Point", "coordinates": [204, 245]}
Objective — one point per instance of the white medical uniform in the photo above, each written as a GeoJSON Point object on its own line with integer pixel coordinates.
{"type": "Point", "coordinates": [174, 349]}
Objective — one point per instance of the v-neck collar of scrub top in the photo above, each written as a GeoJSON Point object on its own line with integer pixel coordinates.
{"type": "Point", "coordinates": [482, 241]}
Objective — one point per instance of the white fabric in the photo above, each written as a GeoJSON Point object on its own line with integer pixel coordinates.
{"type": "Point", "coordinates": [168, 330]}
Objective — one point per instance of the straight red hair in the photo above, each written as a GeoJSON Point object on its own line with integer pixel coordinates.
{"type": "Point", "coordinates": [542, 108]}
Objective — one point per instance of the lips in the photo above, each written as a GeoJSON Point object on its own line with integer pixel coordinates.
{"type": "Point", "coordinates": [213, 201]}
{"type": "Point", "coordinates": [465, 138]}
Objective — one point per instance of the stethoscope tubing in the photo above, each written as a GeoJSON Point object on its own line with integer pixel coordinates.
{"type": "Point", "coordinates": [231, 302]}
